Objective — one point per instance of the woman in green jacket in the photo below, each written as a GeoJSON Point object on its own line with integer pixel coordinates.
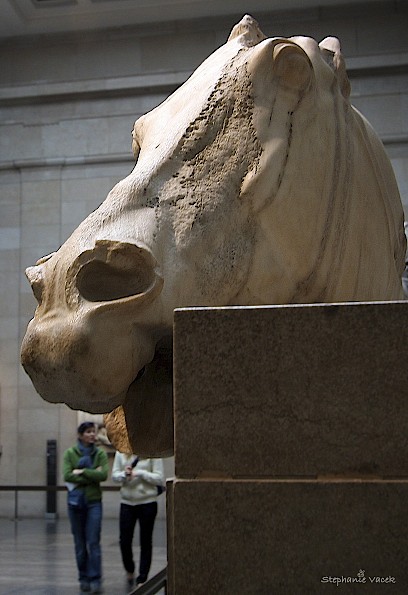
{"type": "Point", "coordinates": [85, 466]}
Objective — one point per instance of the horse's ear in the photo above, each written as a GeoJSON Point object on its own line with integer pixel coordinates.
{"type": "Point", "coordinates": [292, 65]}
{"type": "Point", "coordinates": [249, 31]}
{"type": "Point", "coordinates": [331, 53]}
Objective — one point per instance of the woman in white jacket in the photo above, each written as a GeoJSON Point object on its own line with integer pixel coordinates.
{"type": "Point", "coordinates": [140, 479]}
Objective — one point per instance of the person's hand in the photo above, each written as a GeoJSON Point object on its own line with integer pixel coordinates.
{"type": "Point", "coordinates": [128, 471]}
{"type": "Point", "coordinates": [140, 474]}
{"type": "Point", "coordinates": [77, 472]}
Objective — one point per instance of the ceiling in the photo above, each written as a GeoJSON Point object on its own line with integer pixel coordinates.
{"type": "Point", "coordinates": [32, 17]}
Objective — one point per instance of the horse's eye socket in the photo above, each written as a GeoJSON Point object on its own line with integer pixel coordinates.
{"type": "Point", "coordinates": [113, 271]}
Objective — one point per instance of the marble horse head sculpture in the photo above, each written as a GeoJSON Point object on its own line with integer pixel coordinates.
{"type": "Point", "coordinates": [256, 182]}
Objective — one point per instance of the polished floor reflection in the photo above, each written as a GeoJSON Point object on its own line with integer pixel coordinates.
{"type": "Point", "coordinates": [37, 557]}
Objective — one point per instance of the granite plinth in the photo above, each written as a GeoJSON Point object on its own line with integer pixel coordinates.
{"type": "Point", "coordinates": [292, 391]}
{"type": "Point", "coordinates": [287, 536]}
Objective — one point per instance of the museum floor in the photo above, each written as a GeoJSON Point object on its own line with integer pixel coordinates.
{"type": "Point", "coordinates": [37, 557]}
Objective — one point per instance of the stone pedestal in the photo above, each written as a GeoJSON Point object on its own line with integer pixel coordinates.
{"type": "Point", "coordinates": [291, 450]}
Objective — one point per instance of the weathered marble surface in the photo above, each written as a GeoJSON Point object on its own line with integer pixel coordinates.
{"type": "Point", "coordinates": [256, 182]}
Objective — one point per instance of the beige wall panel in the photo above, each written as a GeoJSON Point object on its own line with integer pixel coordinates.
{"type": "Point", "coordinates": [8, 326]}
{"type": "Point", "coordinates": [390, 31]}
{"type": "Point", "coordinates": [41, 205]}
{"type": "Point", "coordinates": [20, 141]}
{"type": "Point", "coordinates": [9, 238]}
{"type": "Point", "coordinates": [8, 292]}
{"type": "Point", "coordinates": [36, 424]}
{"type": "Point", "coordinates": [9, 259]}
{"type": "Point", "coordinates": [385, 113]}
{"type": "Point", "coordinates": [42, 239]}
{"type": "Point", "coordinates": [184, 51]}
{"type": "Point", "coordinates": [9, 351]}
{"type": "Point", "coordinates": [30, 399]}
{"type": "Point", "coordinates": [8, 434]}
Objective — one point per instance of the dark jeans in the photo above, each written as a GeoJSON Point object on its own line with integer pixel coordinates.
{"type": "Point", "coordinates": [145, 514]}
{"type": "Point", "coordinates": [86, 529]}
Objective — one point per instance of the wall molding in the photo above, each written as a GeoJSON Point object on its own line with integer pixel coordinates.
{"type": "Point", "coordinates": [75, 161]}
{"type": "Point", "coordinates": [164, 83]}
{"type": "Point", "coordinates": [389, 140]}
{"type": "Point", "coordinates": [83, 90]}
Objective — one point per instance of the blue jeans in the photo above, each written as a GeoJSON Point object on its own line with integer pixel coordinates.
{"type": "Point", "coordinates": [86, 528]}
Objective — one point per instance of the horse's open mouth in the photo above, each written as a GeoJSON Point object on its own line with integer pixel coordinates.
{"type": "Point", "coordinates": [146, 415]}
